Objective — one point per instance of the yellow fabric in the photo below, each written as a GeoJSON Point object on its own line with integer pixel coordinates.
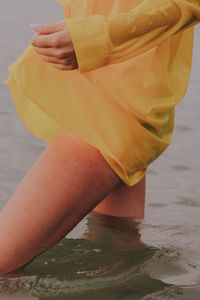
{"type": "Point", "coordinates": [134, 59]}
{"type": "Point", "coordinates": [118, 38]}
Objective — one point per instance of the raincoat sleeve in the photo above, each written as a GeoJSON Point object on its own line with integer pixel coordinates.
{"type": "Point", "coordinates": [99, 41]}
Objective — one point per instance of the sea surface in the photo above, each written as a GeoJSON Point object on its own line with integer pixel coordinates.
{"type": "Point", "coordinates": [107, 257]}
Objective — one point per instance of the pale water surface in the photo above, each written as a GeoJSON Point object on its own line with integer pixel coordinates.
{"type": "Point", "coordinates": [107, 257]}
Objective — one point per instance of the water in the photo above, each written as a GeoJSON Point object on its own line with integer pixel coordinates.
{"type": "Point", "coordinates": [107, 257]}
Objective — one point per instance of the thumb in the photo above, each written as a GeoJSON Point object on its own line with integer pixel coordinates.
{"type": "Point", "coordinates": [50, 28]}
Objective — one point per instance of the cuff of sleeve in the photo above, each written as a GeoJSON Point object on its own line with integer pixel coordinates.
{"type": "Point", "coordinates": [91, 41]}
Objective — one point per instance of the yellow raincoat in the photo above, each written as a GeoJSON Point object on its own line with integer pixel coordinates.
{"type": "Point", "coordinates": [134, 59]}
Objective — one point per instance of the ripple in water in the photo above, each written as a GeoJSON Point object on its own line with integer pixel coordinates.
{"type": "Point", "coordinates": [109, 260]}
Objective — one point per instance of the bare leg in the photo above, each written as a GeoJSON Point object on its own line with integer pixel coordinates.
{"type": "Point", "coordinates": [67, 181]}
{"type": "Point", "coordinates": [124, 201]}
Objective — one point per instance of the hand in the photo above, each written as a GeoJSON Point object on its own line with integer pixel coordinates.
{"type": "Point", "coordinates": [55, 45]}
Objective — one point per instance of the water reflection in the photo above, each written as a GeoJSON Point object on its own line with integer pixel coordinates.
{"type": "Point", "coordinates": [108, 261]}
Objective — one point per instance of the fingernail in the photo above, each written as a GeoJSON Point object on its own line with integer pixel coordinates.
{"type": "Point", "coordinates": [35, 25]}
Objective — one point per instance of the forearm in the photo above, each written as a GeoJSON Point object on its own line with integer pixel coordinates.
{"type": "Point", "coordinates": [107, 41]}
{"type": "Point", "coordinates": [146, 26]}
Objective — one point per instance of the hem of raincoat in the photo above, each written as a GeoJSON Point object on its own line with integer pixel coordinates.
{"type": "Point", "coordinates": [115, 165]}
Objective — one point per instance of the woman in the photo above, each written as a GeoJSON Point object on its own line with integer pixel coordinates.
{"type": "Point", "coordinates": [105, 122]}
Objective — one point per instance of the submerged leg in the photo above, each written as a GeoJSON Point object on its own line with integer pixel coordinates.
{"type": "Point", "coordinates": [66, 182]}
{"type": "Point", "coordinates": [124, 201]}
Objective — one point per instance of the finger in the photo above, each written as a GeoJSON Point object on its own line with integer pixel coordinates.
{"type": "Point", "coordinates": [56, 40]}
{"type": "Point", "coordinates": [64, 61]}
{"type": "Point", "coordinates": [57, 53]}
{"type": "Point", "coordinates": [42, 41]}
{"type": "Point", "coordinates": [62, 67]}
{"type": "Point", "coordinates": [50, 28]}
{"type": "Point", "coordinates": [47, 41]}
{"type": "Point", "coordinates": [45, 51]}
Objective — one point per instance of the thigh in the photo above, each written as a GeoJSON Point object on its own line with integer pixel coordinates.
{"type": "Point", "coordinates": [66, 182]}
{"type": "Point", "coordinates": [125, 201]}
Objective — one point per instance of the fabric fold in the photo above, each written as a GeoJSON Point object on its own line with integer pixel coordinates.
{"type": "Point", "coordinates": [125, 109]}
